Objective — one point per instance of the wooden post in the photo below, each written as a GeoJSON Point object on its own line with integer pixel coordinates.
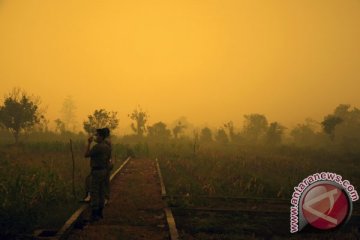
{"type": "Point", "coordinates": [73, 168]}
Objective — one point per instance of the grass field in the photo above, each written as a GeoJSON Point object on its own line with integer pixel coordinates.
{"type": "Point", "coordinates": [219, 177]}
{"type": "Point", "coordinates": [36, 180]}
{"type": "Point", "coordinates": [235, 170]}
{"type": "Point", "coordinates": [36, 184]}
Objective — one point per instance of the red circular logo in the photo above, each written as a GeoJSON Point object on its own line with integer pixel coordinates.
{"type": "Point", "coordinates": [325, 206]}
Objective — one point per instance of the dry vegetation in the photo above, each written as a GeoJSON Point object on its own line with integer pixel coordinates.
{"type": "Point", "coordinates": [36, 183]}
{"type": "Point", "coordinates": [260, 160]}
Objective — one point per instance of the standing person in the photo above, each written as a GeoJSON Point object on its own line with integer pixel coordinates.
{"type": "Point", "coordinates": [109, 167]}
{"type": "Point", "coordinates": [99, 156]}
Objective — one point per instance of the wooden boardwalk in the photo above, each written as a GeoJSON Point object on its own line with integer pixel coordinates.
{"type": "Point", "coordinates": [135, 210]}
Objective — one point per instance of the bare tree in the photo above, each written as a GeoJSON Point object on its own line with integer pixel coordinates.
{"type": "Point", "coordinates": [140, 117]}
{"type": "Point", "coordinates": [60, 126]}
{"type": "Point", "coordinates": [178, 129]}
{"type": "Point", "coordinates": [230, 127]}
{"type": "Point", "coordinates": [68, 112]}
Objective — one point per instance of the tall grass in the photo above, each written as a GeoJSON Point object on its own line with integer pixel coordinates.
{"type": "Point", "coordinates": [24, 193]}
{"type": "Point", "coordinates": [36, 184]}
{"type": "Point", "coordinates": [252, 171]}
{"type": "Point", "coordinates": [36, 177]}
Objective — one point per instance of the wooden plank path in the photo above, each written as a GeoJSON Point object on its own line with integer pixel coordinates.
{"type": "Point", "coordinates": [135, 209]}
{"type": "Point", "coordinates": [174, 235]}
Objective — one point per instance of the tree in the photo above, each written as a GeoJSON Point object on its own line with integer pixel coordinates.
{"type": "Point", "coordinates": [329, 124]}
{"type": "Point", "coordinates": [42, 125]}
{"type": "Point", "coordinates": [343, 127]}
{"type": "Point", "coordinates": [68, 114]}
{"type": "Point", "coordinates": [305, 134]}
{"type": "Point", "coordinates": [178, 129]}
{"type": "Point", "coordinates": [101, 119]}
{"type": "Point", "coordinates": [274, 133]}
{"type": "Point", "coordinates": [255, 127]}
{"type": "Point", "coordinates": [19, 112]}
{"type": "Point", "coordinates": [140, 117]}
{"type": "Point", "coordinates": [230, 127]}
{"type": "Point", "coordinates": [221, 136]}
{"type": "Point", "coordinates": [60, 126]}
{"type": "Point", "coordinates": [342, 110]}
{"type": "Point", "coordinates": [348, 131]}
{"type": "Point", "coordinates": [159, 131]}
{"type": "Point", "coordinates": [206, 135]}
{"type": "Point", "coordinates": [188, 127]}
{"type": "Point", "coordinates": [196, 145]}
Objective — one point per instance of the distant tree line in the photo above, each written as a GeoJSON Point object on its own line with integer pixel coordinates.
{"type": "Point", "coordinates": [20, 113]}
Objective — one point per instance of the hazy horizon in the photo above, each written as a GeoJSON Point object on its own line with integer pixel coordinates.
{"type": "Point", "coordinates": [210, 61]}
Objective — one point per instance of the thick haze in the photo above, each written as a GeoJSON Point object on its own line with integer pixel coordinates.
{"type": "Point", "coordinates": [211, 61]}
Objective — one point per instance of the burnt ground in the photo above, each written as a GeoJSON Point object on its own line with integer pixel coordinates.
{"type": "Point", "coordinates": [135, 210]}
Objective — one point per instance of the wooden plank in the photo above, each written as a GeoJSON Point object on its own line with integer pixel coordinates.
{"type": "Point", "coordinates": [162, 185]}
{"type": "Point", "coordinates": [119, 169]}
{"type": "Point", "coordinates": [171, 223]}
{"type": "Point", "coordinates": [230, 210]}
{"type": "Point", "coordinates": [240, 199]}
{"type": "Point", "coordinates": [69, 224]}
{"type": "Point", "coordinates": [65, 230]}
{"type": "Point", "coordinates": [169, 216]}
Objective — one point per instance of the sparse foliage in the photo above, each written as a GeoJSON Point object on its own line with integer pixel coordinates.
{"type": "Point", "coordinates": [60, 126]}
{"type": "Point", "coordinates": [274, 133]}
{"type": "Point", "coordinates": [206, 135]}
{"type": "Point", "coordinates": [68, 112]}
{"type": "Point", "coordinates": [305, 134]}
{"type": "Point", "coordinates": [196, 145]}
{"type": "Point", "coordinates": [255, 127]}
{"type": "Point", "coordinates": [140, 117]}
{"type": "Point", "coordinates": [230, 128]}
{"type": "Point", "coordinates": [42, 125]}
{"type": "Point", "coordinates": [159, 131]}
{"type": "Point", "coordinates": [100, 119]}
{"type": "Point", "coordinates": [178, 129]}
{"type": "Point", "coordinates": [221, 136]}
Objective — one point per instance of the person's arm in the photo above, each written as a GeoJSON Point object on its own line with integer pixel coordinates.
{"type": "Point", "coordinates": [87, 151]}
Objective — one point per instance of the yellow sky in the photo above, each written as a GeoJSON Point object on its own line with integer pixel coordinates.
{"type": "Point", "coordinates": [209, 60]}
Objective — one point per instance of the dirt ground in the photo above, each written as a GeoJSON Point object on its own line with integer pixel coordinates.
{"type": "Point", "coordinates": [135, 209]}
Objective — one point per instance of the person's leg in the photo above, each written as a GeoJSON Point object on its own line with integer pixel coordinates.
{"type": "Point", "coordinates": [102, 192]}
{"type": "Point", "coordinates": [87, 188]}
{"type": "Point", "coordinates": [95, 193]}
